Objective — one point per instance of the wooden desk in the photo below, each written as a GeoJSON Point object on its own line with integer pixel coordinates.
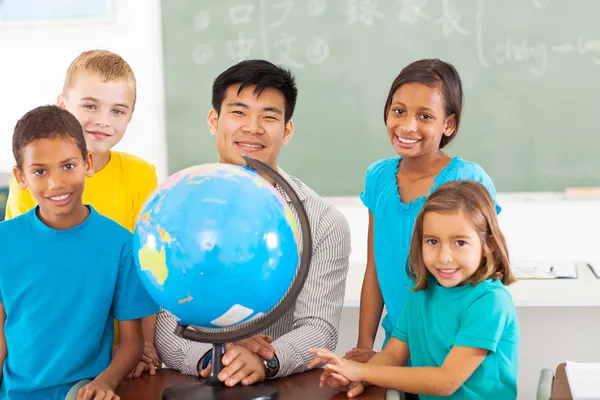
{"type": "Point", "coordinates": [296, 387]}
{"type": "Point", "coordinates": [560, 386]}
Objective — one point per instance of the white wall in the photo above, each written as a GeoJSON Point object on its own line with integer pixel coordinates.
{"type": "Point", "coordinates": [32, 71]}
{"type": "Point", "coordinates": [34, 61]}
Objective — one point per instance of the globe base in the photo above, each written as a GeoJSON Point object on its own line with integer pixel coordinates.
{"type": "Point", "coordinates": [204, 391]}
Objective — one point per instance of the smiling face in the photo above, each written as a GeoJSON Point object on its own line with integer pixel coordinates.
{"type": "Point", "coordinates": [452, 249]}
{"type": "Point", "coordinates": [416, 120]}
{"type": "Point", "coordinates": [54, 170]}
{"type": "Point", "coordinates": [250, 124]}
{"type": "Point", "coordinates": [103, 108]}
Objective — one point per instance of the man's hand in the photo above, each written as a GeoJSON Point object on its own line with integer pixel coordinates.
{"type": "Point", "coordinates": [149, 362]}
{"type": "Point", "coordinates": [241, 365]}
{"type": "Point", "coordinates": [359, 355]}
{"type": "Point", "coordinates": [97, 390]}
{"type": "Point", "coordinates": [259, 344]}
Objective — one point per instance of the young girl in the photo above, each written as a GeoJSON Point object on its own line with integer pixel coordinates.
{"type": "Point", "coordinates": [459, 324]}
{"type": "Point", "coordinates": [422, 114]}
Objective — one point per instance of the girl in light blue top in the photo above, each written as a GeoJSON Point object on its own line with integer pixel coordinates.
{"type": "Point", "coordinates": [422, 114]}
{"type": "Point", "coordinates": [459, 325]}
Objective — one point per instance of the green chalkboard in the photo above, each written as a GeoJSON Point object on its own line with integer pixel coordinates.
{"type": "Point", "coordinates": [530, 70]}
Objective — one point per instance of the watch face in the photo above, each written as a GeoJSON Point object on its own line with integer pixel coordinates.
{"type": "Point", "coordinates": [273, 363]}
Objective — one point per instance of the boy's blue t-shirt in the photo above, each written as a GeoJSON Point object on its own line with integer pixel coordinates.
{"type": "Point", "coordinates": [483, 316]}
{"type": "Point", "coordinates": [61, 291]}
{"type": "Point", "coordinates": [394, 222]}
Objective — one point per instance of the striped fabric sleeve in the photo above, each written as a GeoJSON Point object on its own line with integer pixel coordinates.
{"type": "Point", "coordinates": [177, 353]}
{"type": "Point", "coordinates": [318, 307]}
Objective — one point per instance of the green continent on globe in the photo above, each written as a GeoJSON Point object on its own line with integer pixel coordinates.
{"type": "Point", "coordinates": [155, 262]}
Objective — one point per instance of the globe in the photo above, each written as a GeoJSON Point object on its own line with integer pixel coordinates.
{"type": "Point", "coordinates": [216, 246]}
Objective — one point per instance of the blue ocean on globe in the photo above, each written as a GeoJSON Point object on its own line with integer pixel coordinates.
{"type": "Point", "coordinates": [216, 245]}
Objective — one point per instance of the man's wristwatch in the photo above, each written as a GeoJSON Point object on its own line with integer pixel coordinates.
{"type": "Point", "coordinates": [271, 366]}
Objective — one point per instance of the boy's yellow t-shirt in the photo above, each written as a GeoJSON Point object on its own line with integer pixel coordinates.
{"type": "Point", "coordinates": [118, 191]}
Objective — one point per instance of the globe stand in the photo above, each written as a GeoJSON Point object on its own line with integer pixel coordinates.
{"type": "Point", "coordinates": [213, 389]}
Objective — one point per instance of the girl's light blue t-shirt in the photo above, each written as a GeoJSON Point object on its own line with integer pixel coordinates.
{"type": "Point", "coordinates": [394, 222]}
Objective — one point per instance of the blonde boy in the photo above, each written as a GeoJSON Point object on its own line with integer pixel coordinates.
{"type": "Point", "coordinates": [100, 90]}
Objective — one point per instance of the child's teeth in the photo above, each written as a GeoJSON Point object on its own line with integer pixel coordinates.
{"type": "Point", "coordinates": [407, 141]}
{"type": "Point", "coordinates": [59, 198]}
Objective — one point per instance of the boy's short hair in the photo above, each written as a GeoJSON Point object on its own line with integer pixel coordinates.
{"type": "Point", "coordinates": [46, 122]}
{"type": "Point", "coordinates": [108, 65]}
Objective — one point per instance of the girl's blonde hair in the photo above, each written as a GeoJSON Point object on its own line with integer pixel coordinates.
{"type": "Point", "coordinates": [473, 200]}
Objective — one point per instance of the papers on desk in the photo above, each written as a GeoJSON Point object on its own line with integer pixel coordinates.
{"type": "Point", "coordinates": [544, 269]}
{"type": "Point", "coordinates": [583, 380]}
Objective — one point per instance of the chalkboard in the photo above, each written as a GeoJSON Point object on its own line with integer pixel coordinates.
{"type": "Point", "coordinates": [530, 70]}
